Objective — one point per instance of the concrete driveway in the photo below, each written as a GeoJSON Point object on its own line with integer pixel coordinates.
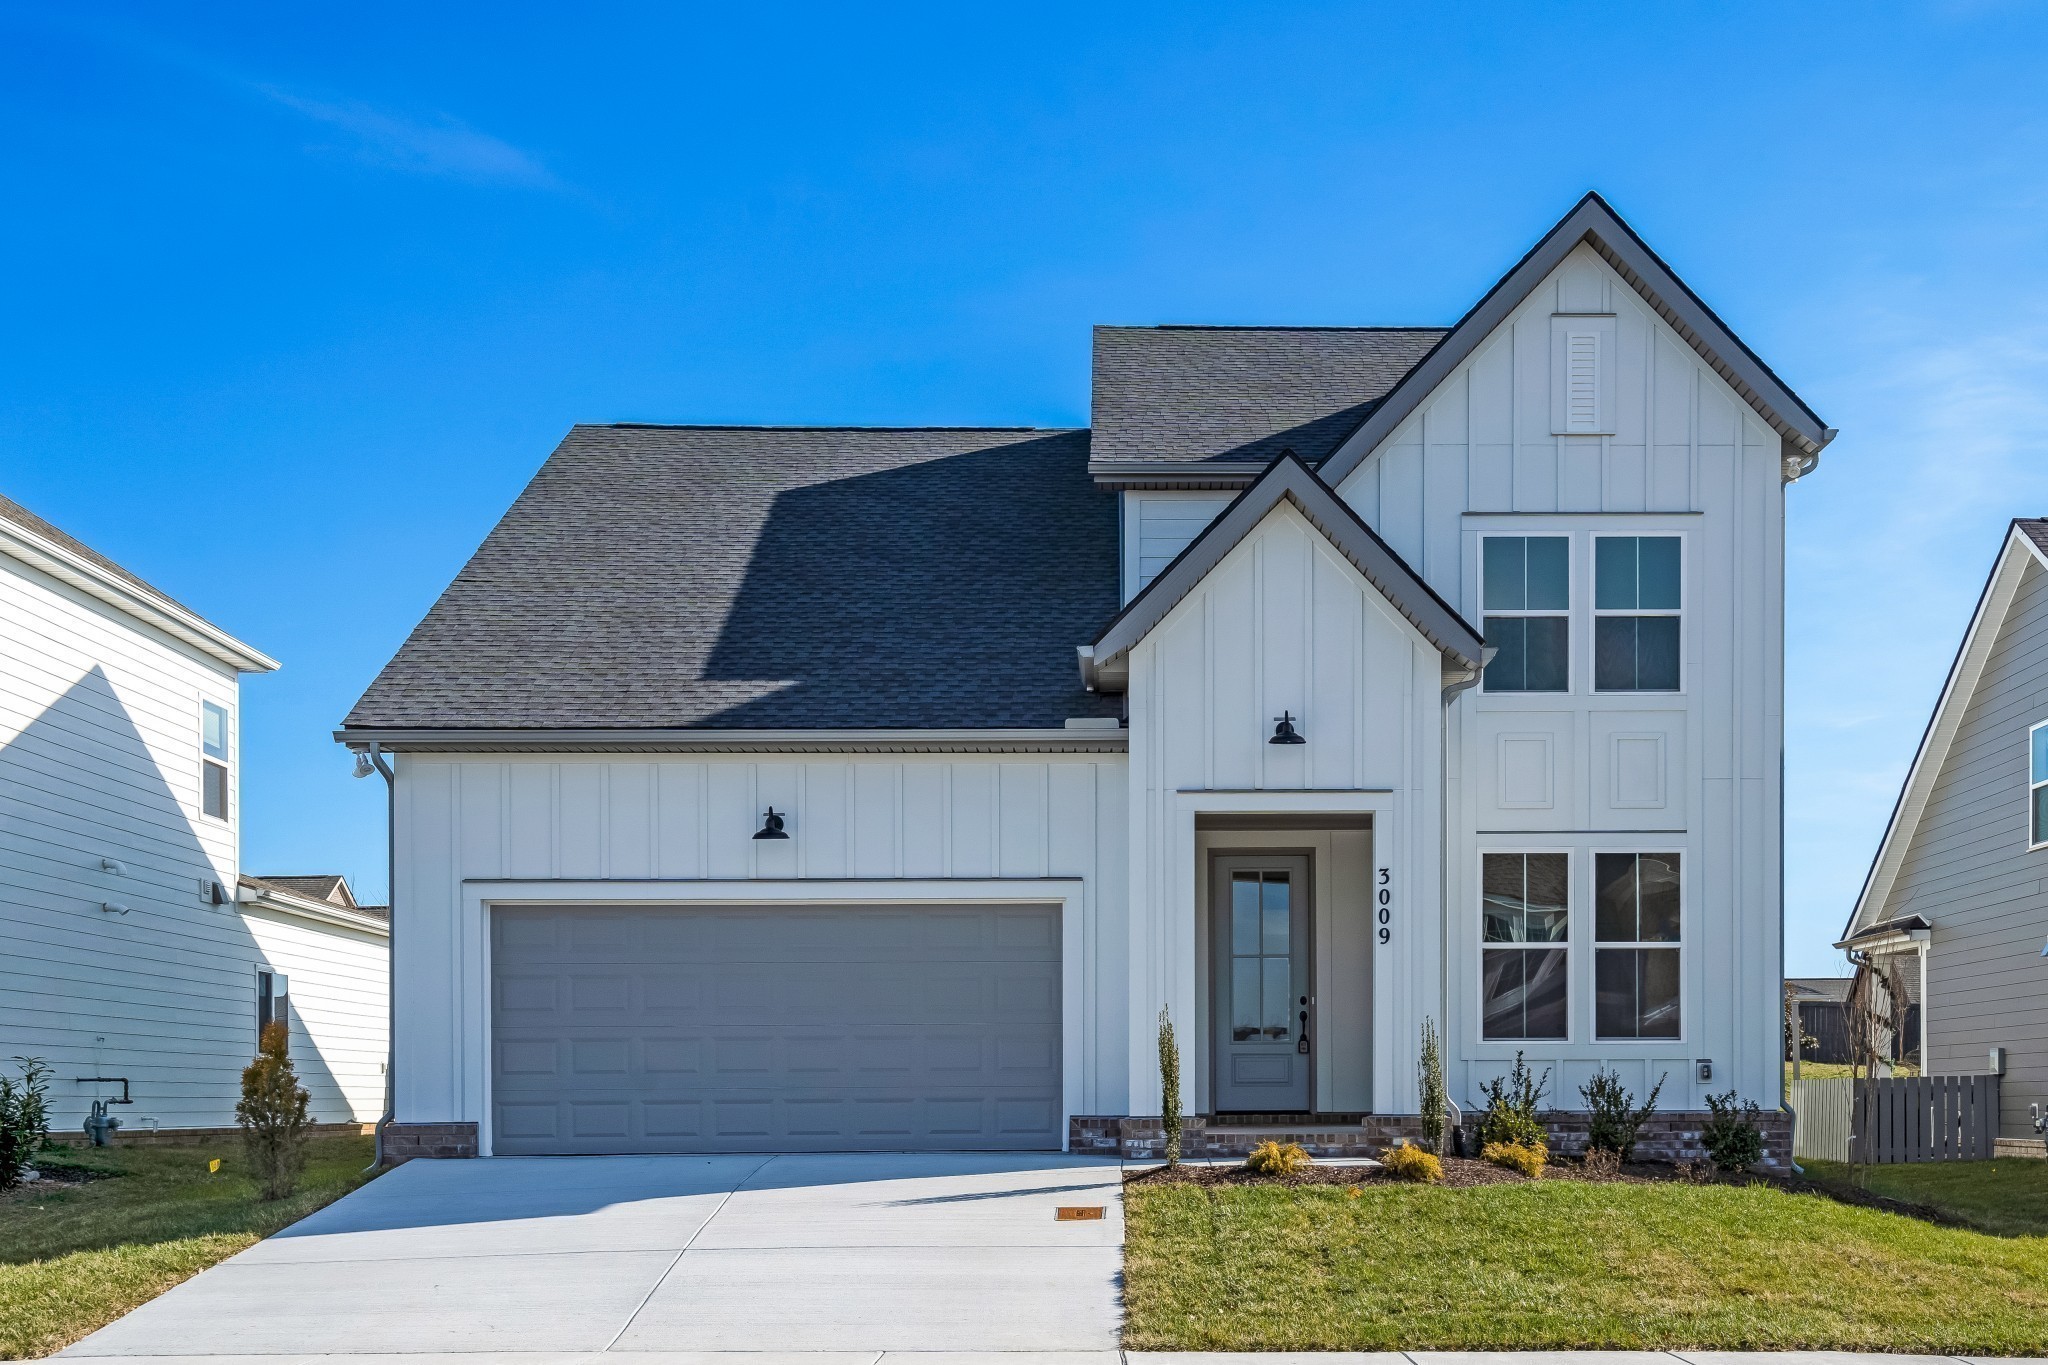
{"type": "Point", "coordinates": [566, 1258]}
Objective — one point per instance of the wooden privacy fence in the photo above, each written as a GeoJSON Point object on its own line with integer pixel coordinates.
{"type": "Point", "coordinates": [1925, 1118]}
{"type": "Point", "coordinates": [1899, 1118]}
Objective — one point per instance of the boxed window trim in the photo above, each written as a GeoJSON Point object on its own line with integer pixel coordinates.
{"type": "Point", "coordinates": [1639, 614]}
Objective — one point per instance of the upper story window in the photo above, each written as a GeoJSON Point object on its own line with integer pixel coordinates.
{"type": "Point", "coordinates": [213, 761]}
{"type": "Point", "coordinates": [2037, 785]}
{"type": "Point", "coordinates": [1636, 603]}
{"type": "Point", "coordinates": [1635, 955]}
{"type": "Point", "coordinates": [1526, 599]}
{"type": "Point", "coordinates": [1524, 969]}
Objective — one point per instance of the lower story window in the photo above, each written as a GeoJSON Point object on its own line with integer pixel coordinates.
{"type": "Point", "coordinates": [273, 1001]}
{"type": "Point", "coordinates": [1524, 981]}
{"type": "Point", "coordinates": [1635, 955]}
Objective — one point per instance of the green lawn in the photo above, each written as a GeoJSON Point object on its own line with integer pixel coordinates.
{"type": "Point", "coordinates": [2009, 1197]}
{"type": "Point", "coordinates": [1565, 1264]}
{"type": "Point", "coordinates": [75, 1257]}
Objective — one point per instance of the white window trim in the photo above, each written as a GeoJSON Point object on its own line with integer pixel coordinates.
{"type": "Point", "coordinates": [226, 761]}
{"type": "Point", "coordinates": [1682, 945]}
{"type": "Point", "coordinates": [1593, 687]}
{"type": "Point", "coordinates": [1571, 682]}
{"type": "Point", "coordinates": [1569, 943]}
{"type": "Point", "coordinates": [2032, 787]}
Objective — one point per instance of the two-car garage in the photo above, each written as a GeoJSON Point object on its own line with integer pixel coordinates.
{"type": "Point", "coordinates": [775, 1028]}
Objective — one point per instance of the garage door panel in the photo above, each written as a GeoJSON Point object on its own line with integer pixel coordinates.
{"type": "Point", "coordinates": [775, 1028]}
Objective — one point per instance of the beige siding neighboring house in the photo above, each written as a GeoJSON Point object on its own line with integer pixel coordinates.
{"type": "Point", "coordinates": [1958, 883]}
{"type": "Point", "coordinates": [130, 943]}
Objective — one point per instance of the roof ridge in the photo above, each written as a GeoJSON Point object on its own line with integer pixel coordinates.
{"type": "Point", "coordinates": [1268, 327]}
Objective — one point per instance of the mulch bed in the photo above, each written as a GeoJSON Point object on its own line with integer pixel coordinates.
{"type": "Point", "coordinates": [1459, 1173]}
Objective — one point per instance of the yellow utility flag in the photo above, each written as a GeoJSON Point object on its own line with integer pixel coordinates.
{"type": "Point", "coordinates": [213, 1166]}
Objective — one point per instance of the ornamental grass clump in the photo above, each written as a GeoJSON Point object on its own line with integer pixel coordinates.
{"type": "Point", "coordinates": [1526, 1157]}
{"type": "Point", "coordinates": [273, 1114]}
{"type": "Point", "coordinates": [1276, 1158]}
{"type": "Point", "coordinates": [1409, 1162]}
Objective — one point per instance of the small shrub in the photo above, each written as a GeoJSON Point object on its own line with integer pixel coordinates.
{"type": "Point", "coordinates": [24, 1119]}
{"type": "Point", "coordinates": [1732, 1138]}
{"type": "Point", "coordinates": [1600, 1163]}
{"type": "Point", "coordinates": [1511, 1107]}
{"type": "Point", "coordinates": [1409, 1162]}
{"type": "Point", "coordinates": [1696, 1172]}
{"type": "Point", "coordinates": [1434, 1098]}
{"type": "Point", "coordinates": [1528, 1158]}
{"type": "Point", "coordinates": [1169, 1087]}
{"type": "Point", "coordinates": [273, 1114]}
{"type": "Point", "coordinates": [1612, 1118]}
{"type": "Point", "coordinates": [1274, 1158]}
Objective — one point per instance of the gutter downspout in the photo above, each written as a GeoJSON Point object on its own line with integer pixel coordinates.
{"type": "Point", "coordinates": [1464, 683]}
{"type": "Point", "coordinates": [375, 753]}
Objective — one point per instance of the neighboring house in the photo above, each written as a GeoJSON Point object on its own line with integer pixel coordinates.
{"type": "Point", "coordinates": [783, 788]}
{"type": "Point", "coordinates": [1956, 886]}
{"type": "Point", "coordinates": [1823, 1018]}
{"type": "Point", "coordinates": [132, 948]}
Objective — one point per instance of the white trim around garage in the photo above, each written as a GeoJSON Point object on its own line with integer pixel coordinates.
{"type": "Point", "coordinates": [479, 896]}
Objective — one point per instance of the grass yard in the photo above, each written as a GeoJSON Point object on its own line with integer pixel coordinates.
{"type": "Point", "coordinates": [73, 1257]}
{"type": "Point", "coordinates": [1560, 1264]}
{"type": "Point", "coordinates": [2008, 1198]}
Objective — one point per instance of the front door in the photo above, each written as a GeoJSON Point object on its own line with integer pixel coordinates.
{"type": "Point", "coordinates": [1259, 965]}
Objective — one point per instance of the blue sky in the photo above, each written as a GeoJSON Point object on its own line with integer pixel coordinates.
{"type": "Point", "coordinates": [295, 300]}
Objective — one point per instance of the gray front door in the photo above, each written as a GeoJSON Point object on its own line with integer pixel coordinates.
{"type": "Point", "coordinates": [775, 1028]}
{"type": "Point", "coordinates": [1259, 962]}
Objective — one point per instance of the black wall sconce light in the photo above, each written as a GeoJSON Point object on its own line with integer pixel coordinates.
{"type": "Point", "coordinates": [771, 827]}
{"type": "Point", "coordinates": [1284, 731]}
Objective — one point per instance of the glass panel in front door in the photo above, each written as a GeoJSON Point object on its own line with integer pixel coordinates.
{"type": "Point", "coordinates": [1261, 957]}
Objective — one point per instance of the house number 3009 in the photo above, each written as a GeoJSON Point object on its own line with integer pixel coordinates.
{"type": "Point", "coordinates": [1383, 907]}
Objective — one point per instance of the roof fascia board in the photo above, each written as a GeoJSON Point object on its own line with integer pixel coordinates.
{"type": "Point", "coordinates": [1956, 692]}
{"type": "Point", "coordinates": [1119, 474]}
{"type": "Point", "coordinates": [151, 609]}
{"type": "Point", "coordinates": [1594, 222]}
{"type": "Point", "coordinates": [399, 739]}
{"type": "Point", "coordinates": [1288, 479]}
{"type": "Point", "coordinates": [305, 907]}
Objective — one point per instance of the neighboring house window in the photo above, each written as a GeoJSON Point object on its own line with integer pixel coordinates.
{"type": "Point", "coordinates": [1636, 596]}
{"type": "Point", "coordinates": [1524, 910]}
{"type": "Point", "coordinates": [1525, 595]}
{"type": "Point", "coordinates": [273, 1001]}
{"type": "Point", "coordinates": [2037, 784]}
{"type": "Point", "coordinates": [213, 765]}
{"type": "Point", "coordinates": [1635, 957]}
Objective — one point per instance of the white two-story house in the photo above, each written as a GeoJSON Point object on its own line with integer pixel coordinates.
{"type": "Point", "coordinates": [801, 788]}
{"type": "Point", "coordinates": [137, 959]}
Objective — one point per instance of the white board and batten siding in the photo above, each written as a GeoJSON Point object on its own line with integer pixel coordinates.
{"type": "Point", "coordinates": [883, 822]}
{"type": "Point", "coordinates": [1285, 624]}
{"type": "Point", "coordinates": [100, 760]}
{"type": "Point", "coordinates": [1970, 871]}
{"type": "Point", "coordinates": [1666, 448]}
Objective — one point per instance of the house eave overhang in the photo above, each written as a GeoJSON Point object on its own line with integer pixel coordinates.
{"type": "Point", "coordinates": [1904, 934]}
{"type": "Point", "coordinates": [1117, 475]}
{"type": "Point", "coordinates": [1594, 223]}
{"type": "Point", "coordinates": [149, 608]}
{"type": "Point", "coordinates": [263, 896]}
{"type": "Point", "coordinates": [1289, 480]}
{"type": "Point", "coordinates": [2017, 551]}
{"type": "Point", "coordinates": [1085, 738]}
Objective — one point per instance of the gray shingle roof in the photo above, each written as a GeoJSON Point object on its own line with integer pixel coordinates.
{"type": "Point", "coordinates": [2036, 530]}
{"type": "Point", "coordinates": [1176, 394]}
{"type": "Point", "coordinates": [320, 887]}
{"type": "Point", "coordinates": [772, 578]}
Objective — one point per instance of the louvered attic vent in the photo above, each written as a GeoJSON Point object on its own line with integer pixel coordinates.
{"type": "Point", "coordinates": [1582, 374]}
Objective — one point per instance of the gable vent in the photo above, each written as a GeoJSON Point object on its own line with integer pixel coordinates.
{"type": "Point", "coordinates": [1582, 374]}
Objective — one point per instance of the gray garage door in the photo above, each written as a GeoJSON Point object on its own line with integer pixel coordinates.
{"type": "Point", "coordinates": [775, 1028]}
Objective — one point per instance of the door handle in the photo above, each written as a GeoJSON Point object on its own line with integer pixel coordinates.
{"type": "Point", "coordinates": [1301, 1046]}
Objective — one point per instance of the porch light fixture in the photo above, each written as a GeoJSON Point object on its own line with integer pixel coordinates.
{"type": "Point", "coordinates": [771, 827]}
{"type": "Point", "coordinates": [1284, 731]}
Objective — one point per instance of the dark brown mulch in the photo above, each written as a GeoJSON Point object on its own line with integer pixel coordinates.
{"type": "Point", "coordinates": [1459, 1173]}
